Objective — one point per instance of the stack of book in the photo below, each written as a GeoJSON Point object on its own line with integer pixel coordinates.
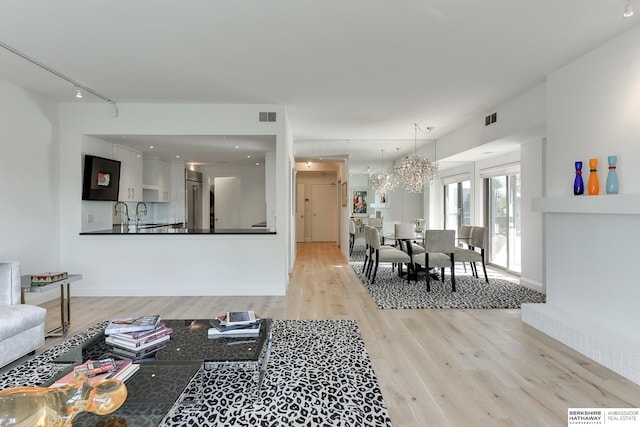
{"type": "Point", "coordinates": [132, 324]}
{"type": "Point", "coordinates": [236, 324]}
{"type": "Point", "coordinates": [141, 343]}
{"type": "Point", "coordinates": [98, 370]}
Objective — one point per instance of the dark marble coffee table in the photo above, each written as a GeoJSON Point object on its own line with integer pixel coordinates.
{"type": "Point", "coordinates": [172, 381]}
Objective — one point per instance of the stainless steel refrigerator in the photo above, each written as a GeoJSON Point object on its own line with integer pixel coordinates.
{"type": "Point", "coordinates": [193, 198]}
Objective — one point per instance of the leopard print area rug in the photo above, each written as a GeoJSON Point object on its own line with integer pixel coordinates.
{"type": "Point", "coordinates": [319, 374]}
{"type": "Point", "coordinates": [393, 292]}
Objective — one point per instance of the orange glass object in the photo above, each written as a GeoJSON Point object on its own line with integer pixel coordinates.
{"type": "Point", "coordinates": [56, 407]}
{"type": "Point", "coordinates": [593, 186]}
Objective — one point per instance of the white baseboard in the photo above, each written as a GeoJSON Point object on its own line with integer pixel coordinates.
{"type": "Point", "coordinates": [619, 353]}
{"type": "Point", "coordinates": [532, 284]}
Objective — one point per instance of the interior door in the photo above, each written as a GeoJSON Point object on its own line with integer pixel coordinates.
{"type": "Point", "coordinates": [300, 213]}
{"type": "Point", "coordinates": [227, 202]}
{"type": "Point", "coordinates": [324, 213]}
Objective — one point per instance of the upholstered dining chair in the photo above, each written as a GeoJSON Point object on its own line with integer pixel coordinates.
{"type": "Point", "coordinates": [464, 242]}
{"type": "Point", "coordinates": [475, 253]}
{"type": "Point", "coordinates": [380, 253]}
{"type": "Point", "coordinates": [404, 235]}
{"type": "Point", "coordinates": [352, 235]}
{"type": "Point", "coordinates": [439, 248]}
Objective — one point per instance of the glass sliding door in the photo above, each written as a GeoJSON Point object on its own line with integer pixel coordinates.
{"type": "Point", "coordinates": [503, 218]}
{"type": "Point", "coordinates": [457, 205]}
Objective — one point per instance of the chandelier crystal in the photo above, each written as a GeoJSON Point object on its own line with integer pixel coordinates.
{"type": "Point", "coordinates": [382, 182]}
{"type": "Point", "coordinates": [414, 171]}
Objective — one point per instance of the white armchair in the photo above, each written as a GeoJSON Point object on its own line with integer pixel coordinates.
{"type": "Point", "coordinates": [21, 325]}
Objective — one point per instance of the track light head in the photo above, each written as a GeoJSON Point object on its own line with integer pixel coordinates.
{"type": "Point", "coordinates": [78, 93]}
{"type": "Point", "coordinates": [628, 11]}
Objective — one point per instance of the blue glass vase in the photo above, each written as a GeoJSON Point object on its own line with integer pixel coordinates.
{"type": "Point", "coordinates": [578, 184]}
{"type": "Point", "coordinates": [612, 176]}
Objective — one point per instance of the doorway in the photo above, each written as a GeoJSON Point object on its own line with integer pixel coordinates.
{"type": "Point", "coordinates": [503, 216]}
{"type": "Point", "coordinates": [225, 200]}
{"type": "Point", "coordinates": [457, 205]}
{"type": "Point", "coordinates": [316, 207]}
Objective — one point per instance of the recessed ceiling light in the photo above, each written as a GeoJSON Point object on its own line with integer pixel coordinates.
{"type": "Point", "coordinates": [151, 147]}
{"type": "Point", "coordinates": [257, 163]}
{"type": "Point", "coordinates": [177, 157]}
{"type": "Point", "coordinates": [248, 157]}
{"type": "Point", "coordinates": [237, 147]}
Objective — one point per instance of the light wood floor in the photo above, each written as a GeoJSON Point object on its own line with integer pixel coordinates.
{"type": "Point", "coordinates": [435, 367]}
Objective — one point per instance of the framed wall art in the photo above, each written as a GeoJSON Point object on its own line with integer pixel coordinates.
{"type": "Point", "coordinates": [359, 203]}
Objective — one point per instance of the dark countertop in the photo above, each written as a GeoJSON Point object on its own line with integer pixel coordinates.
{"type": "Point", "coordinates": [117, 230]}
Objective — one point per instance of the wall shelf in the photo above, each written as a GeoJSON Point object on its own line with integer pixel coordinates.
{"type": "Point", "coordinates": [616, 204]}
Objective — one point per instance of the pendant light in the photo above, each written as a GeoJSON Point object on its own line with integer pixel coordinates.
{"type": "Point", "coordinates": [414, 171]}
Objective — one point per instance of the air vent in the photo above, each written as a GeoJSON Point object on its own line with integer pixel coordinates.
{"type": "Point", "coordinates": [265, 116]}
{"type": "Point", "coordinates": [490, 119]}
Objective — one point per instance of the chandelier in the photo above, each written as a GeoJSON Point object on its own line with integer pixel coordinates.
{"type": "Point", "coordinates": [382, 182]}
{"type": "Point", "coordinates": [414, 171]}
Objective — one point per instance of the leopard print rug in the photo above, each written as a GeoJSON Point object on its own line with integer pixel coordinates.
{"type": "Point", "coordinates": [319, 374]}
{"type": "Point", "coordinates": [393, 292]}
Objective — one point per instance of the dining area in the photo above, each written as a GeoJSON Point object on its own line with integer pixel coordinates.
{"type": "Point", "coordinates": [405, 268]}
{"type": "Point", "coordinates": [416, 253]}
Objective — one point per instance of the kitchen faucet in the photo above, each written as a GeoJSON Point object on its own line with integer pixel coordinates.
{"type": "Point", "coordinates": [125, 220]}
{"type": "Point", "coordinates": [144, 212]}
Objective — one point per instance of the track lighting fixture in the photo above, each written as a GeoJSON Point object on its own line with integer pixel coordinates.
{"type": "Point", "coordinates": [77, 85]}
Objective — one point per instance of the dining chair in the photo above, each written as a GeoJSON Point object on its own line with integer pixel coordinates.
{"type": "Point", "coordinates": [384, 254]}
{"type": "Point", "coordinates": [404, 235]}
{"type": "Point", "coordinates": [479, 242]}
{"type": "Point", "coordinates": [352, 235]}
{"type": "Point", "coordinates": [464, 240]}
{"type": "Point", "coordinates": [376, 223]}
{"type": "Point", "coordinates": [439, 248]}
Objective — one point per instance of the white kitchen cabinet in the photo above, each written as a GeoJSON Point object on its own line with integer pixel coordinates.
{"type": "Point", "coordinates": [130, 173]}
{"type": "Point", "coordinates": [156, 180]}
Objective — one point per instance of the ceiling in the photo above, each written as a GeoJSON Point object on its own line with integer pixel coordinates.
{"type": "Point", "coordinates": [354, 75]}
{"type": "Point", "coordinates": [216, 150]}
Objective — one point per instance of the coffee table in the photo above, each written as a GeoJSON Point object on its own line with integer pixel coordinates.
{"type": "Point", "coordinates": [173, 380]}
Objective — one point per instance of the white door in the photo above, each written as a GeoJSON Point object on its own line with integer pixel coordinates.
{"type": "Point", "coordinates": [227, 202]}
{"type": "Point", "coordinates": [300, 213]}
{"type": "Point", "coordinates": [324, 213]}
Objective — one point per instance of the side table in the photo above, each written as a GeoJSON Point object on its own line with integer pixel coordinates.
{"type": "Point", "coordinates": [65, 309]}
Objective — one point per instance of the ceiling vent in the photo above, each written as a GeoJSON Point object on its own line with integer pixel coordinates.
{"type": "Point", "coordinates": [490, 119]}
{"type": "Point", "coordinates": [265, 116]}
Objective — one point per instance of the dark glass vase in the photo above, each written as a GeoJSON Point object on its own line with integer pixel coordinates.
{"type": "Point", "coordinates": [578, 184]}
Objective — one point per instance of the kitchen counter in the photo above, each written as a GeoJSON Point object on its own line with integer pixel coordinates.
{"type": "Point", "coordinates": [117, 230]}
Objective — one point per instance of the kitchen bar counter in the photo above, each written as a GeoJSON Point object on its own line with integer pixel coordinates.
{"type": "Point", "coordinates": [117, 230]}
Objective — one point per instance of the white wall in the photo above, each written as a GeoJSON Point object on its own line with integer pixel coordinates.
{"type": "Point", "coordinates": [532, 243]}
{"type": "Point", "coordinates": [594, 111]}
{"type": "Point", "coordinates": [29, 180]}
{"type": "Point", "coordinates": [171, 265]}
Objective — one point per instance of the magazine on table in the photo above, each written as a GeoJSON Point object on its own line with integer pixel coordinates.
{"type": "Point", "coordinates": [113, 341]}
{"type": "Point", "coordinates": [137, 355]}
{"type": "Point", "coordinates": [124, 370]}
{"type": "Point", "coordinates": [132, 324]}
{"type": "Point", "coordinates": [142, 339]}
